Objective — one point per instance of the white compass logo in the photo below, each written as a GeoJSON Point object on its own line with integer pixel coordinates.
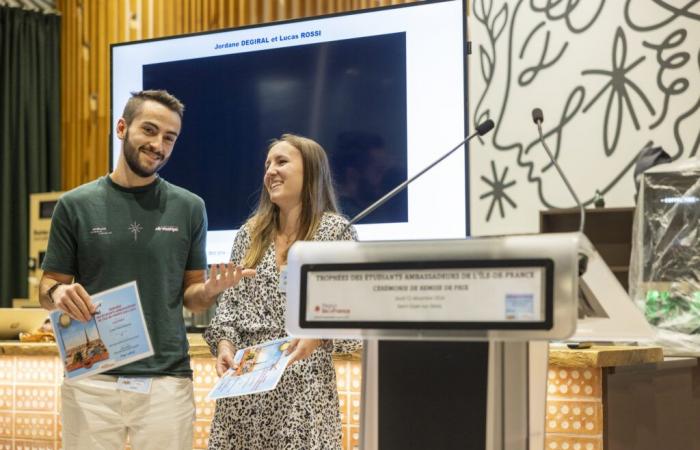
{"type": "Point", "coordinates": [136, 229]}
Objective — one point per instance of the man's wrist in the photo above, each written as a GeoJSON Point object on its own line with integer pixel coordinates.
{"type": "Point", "coordinates": [209, 297]}
{"type": "Point", "coordinates": [51, 290]}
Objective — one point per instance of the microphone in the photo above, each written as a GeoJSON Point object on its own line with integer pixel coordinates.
{"type": "Point", "coordinates": [538, 118]}
{"type": "Point", "coordinates": [481, 130]}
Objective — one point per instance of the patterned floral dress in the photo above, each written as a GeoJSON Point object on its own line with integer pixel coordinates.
{"type": "Point", "coordinates": [302, 412]}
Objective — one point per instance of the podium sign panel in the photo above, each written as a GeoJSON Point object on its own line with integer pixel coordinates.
{"type": "Point", "coordinates": [509, 288]}
{"type": "Point", "coordinates": [466, 294]}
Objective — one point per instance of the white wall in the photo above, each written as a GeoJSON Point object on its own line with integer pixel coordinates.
{"type": "Point", "coordinates": [612, 77]}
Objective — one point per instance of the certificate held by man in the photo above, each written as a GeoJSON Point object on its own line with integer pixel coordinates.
{"type": "Point", "coordinates": [114, 336]}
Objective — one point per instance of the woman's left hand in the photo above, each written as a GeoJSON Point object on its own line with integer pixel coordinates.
{"type": "Point", "coordinates": [301, 349]}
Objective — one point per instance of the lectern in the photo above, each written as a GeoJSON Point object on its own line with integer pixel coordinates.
{"type": "Point", "coordinates": [448, 328]}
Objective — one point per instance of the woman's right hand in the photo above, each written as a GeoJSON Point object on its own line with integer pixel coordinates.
{"type": "Point", "coordinates": [224, 357]}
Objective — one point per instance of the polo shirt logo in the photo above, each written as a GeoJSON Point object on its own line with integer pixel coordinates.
{"type": "Point", "coordinates": [100, 231]}
{"type": "Point", "coordinates": [168, 228]}
{"type": "Point", "coordinates": [135, 228]}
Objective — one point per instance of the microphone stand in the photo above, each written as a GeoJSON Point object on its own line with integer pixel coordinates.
{"type": "Point", "coordinates": [538, 118]}
{"type": "Point", "coordinates": [582, 211]}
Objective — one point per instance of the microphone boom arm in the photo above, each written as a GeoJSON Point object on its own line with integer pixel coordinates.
{"type": "Point", "coordinates": [582, 211]}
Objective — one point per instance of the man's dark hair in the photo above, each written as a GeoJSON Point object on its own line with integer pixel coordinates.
{"type": "Point", "coordinates": [133, 106]}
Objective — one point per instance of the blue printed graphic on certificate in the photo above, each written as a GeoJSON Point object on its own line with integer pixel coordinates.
{"type": "Point", "coordinates": [520, 307]}
{"type": "Point", "coordinates": [257, 369]}
{"type": "Point", "coordinates": [116, 335]}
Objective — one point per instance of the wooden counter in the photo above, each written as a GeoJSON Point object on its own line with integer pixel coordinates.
{"type": "Point", "coordinates": [619, 398]}
{"type": "Point", "coordinates": [596, 398]}
{"type": "Point", "coordinates": [604, 356]}
{"type": "Point", "coordinates": [198, 349]}
{"type": "Point", "coordinates": [31, 375]}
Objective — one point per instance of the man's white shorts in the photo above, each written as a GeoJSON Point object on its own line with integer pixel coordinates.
{"type": "Point", "coordinates": [97, 416]}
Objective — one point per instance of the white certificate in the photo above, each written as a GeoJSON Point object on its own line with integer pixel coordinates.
{"type": "Point", "coordinates": [114, 336]}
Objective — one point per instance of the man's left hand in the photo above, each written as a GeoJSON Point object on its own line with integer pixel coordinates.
{"type": "Point", "coordinates": [224, 276]}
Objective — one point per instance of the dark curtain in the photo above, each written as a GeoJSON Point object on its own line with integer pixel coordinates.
{"type": "Point", "coordinates": [29, 133]}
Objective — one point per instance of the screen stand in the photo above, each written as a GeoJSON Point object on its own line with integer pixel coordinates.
{"type": "Point", "coordinates": [517, 395]}
{"type": "Point", "coordinates": [452, 395]}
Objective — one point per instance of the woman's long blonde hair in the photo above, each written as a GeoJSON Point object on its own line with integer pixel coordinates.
{"type": "Point", "coordinates": [317, 197]}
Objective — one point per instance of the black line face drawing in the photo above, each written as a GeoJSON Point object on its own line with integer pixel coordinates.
{"type": "Point", "coordinates": [613, 77]}
{"type": "Point", "coordinates": [498, 194]}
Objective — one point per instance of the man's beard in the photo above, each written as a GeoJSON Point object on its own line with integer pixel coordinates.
{"type": "Point", "coordinates": [131, 155]}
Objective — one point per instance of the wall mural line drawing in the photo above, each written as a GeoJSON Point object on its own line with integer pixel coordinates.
{"type": "Point", "coordinates": [612, 78]}
{"type": "Point", "coordinates": [498, 194]}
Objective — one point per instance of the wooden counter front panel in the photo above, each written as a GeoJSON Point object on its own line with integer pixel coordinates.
{"type": "Point", "coordinates": [30, 401]}
{"type": "Point", "coordinates": [574, 409]}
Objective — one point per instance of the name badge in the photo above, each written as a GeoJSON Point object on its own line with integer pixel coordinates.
{"type": "Point", "coordinates": [138, 385]}
{"type": "Point", "coordinates": [282, 286]}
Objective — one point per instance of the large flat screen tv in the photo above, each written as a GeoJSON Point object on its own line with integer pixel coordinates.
{"type": "Point", "coordinates": [382, 90]}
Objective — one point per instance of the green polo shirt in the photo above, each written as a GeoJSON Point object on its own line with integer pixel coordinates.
{"type": "Point", "coordinates": [106, 235]}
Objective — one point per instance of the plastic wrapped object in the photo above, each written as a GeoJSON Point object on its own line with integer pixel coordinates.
{"type": "Point", "coordinates": [665, 261]}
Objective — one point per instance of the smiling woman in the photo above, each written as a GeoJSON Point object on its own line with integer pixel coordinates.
{"type": "Point", "coordinates": [297, 202]}
{"type": "Point", "coordinates": [298, 191]}
{"type": "Point", "coordinates": [284, 174]}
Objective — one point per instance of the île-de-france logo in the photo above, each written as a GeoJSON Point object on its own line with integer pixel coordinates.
{"type": "Point", "coordinates": [332, 309]}
{"type": "Point", "coordinates": [135, 229]}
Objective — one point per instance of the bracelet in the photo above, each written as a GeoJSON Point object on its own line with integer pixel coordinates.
{"type": "Point", "coordinates": [49, 293]}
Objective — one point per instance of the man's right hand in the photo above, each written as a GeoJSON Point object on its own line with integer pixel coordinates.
{"type": "Point", "coordinates": [74, 300]}
{"type": "Point", "coordinates": [224, 357]}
